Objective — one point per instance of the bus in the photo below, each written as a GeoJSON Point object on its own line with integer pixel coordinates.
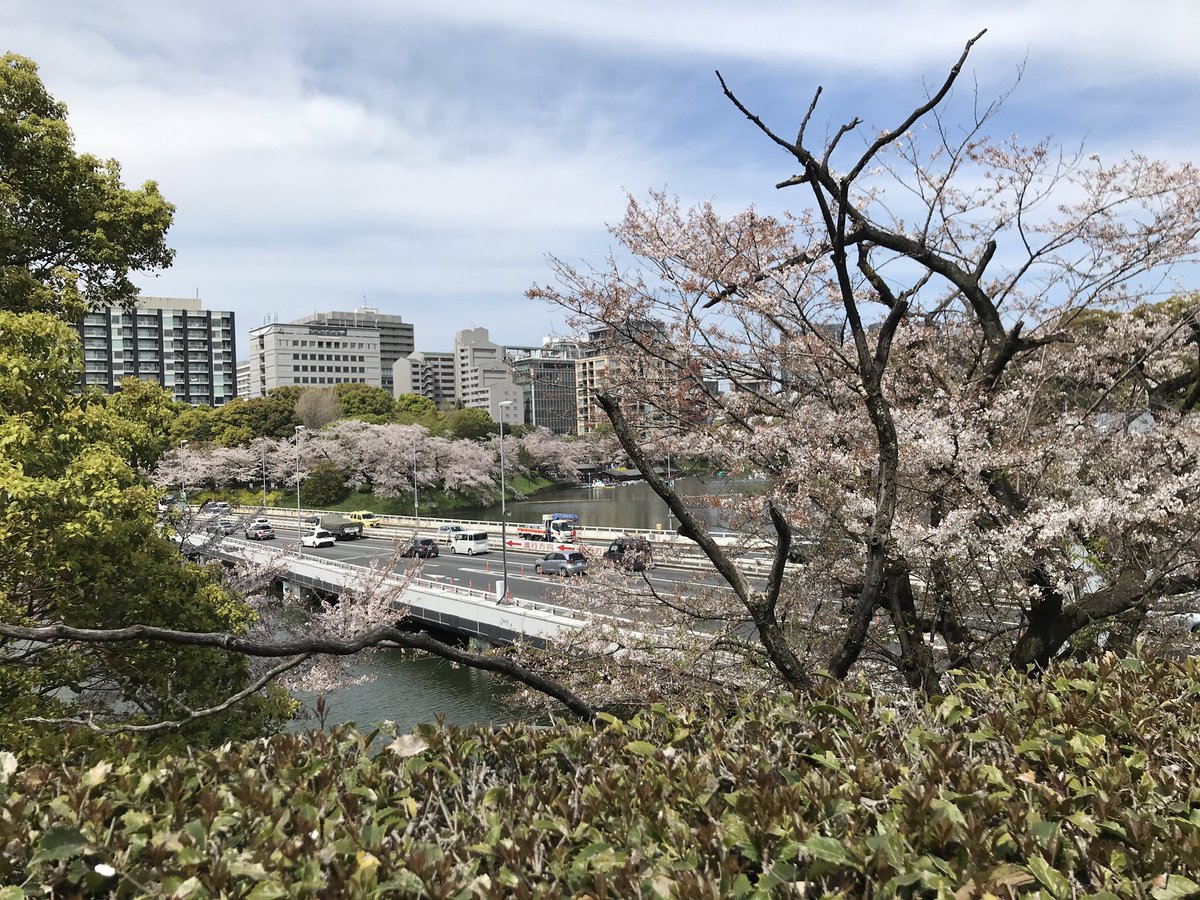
{"type": "Point", "coordinates": [469, 542]}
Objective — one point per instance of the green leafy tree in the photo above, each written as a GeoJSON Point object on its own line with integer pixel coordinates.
{"type": "Point", "coordinates": [365, 402]}
{"type": "Point", "coordinates": [70, 233]}
{"type": "Point", "coordinates": [79, 542]}
{"type": "Point", "coordinates": [470, 423]}
{"type": "Point", "coordinates": [324, 485]}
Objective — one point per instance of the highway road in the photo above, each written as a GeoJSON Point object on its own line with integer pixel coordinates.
{"type": "Point", "coordinates": [483, 571]}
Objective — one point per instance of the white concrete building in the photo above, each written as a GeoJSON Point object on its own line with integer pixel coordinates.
{"type": "Point", "coordinates": [285, 354]}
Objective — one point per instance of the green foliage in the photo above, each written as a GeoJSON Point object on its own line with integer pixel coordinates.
{"type": "Point", "coordinates": [323, 485]}
{"type": "Point", "coordinates": [1078, 785]}
{"type": "Point", "coordinates": [70, 233]}
{"type": "Point", "coordinates": [79, 539]}
{"type": "Point", "coordinates": [415, 409]}
{"type": "Point", "coordinates": [145, 413]}
{"type": "Point", "coordinates": [365, 402]}
{"type": "Point", "coordinates": [470, 423]}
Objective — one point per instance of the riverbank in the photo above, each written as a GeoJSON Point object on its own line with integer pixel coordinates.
{"type": "Point", "coordinates": [432, 500]}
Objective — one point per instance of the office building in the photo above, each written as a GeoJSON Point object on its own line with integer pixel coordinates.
{"type": "Point", "coordinates": [482, 379]}
{"type": "Point", "coordinates": [395, 335]}
{"type": "Point", "coordinates": [289, 354]}
{"type": "Point", "coordinates": [546, 376]}
{"type": "Point", "coordinates": [427, 373]}
{"type": "Point", "coordinates": [243, 378]}
{"type": "Point", "coordinates": [171, 341]}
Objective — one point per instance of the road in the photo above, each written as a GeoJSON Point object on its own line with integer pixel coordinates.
{"type": "Point", "coordinates": [483, 571]}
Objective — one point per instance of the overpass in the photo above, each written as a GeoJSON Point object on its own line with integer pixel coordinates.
{"type": "Point", "coordinates": [436, 603]}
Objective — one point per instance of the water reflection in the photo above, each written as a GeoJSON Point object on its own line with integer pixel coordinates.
{"type": "Point", "coordinates": [621, 506]}
{"type": "Point", "coordinates": [409, 689]}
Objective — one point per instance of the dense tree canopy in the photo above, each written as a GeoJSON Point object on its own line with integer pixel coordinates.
{"type": "Point", "coordinates": [79, 540]}
{"type": "Point", "coordinates": [70, 233]}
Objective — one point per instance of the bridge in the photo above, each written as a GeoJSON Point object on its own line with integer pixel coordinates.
{"type": "Point", "coordinates": [435, 602]}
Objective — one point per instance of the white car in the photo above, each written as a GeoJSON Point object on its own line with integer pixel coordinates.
{"type": "Point", "coordinates": [319, 538]}
{"type": "Point", "coordinates": [446, 533]}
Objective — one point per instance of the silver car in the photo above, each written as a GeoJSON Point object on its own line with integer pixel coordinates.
{"type": "Point", "coordinates": [562, 562]}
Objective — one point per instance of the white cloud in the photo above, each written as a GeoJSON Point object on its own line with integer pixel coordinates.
{"type": "Point", "coordinates": [431, 154]}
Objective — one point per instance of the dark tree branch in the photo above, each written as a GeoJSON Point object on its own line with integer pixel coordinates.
{"type": "Point", "coordinates": [384, 635]}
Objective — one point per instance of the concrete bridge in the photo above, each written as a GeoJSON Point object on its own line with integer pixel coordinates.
{"type": "Point", "coordinates": [430, 602]}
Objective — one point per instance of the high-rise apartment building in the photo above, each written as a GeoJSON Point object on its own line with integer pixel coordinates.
{"type": "Point", "coordinates": [288, 354]}
{"type": "Point", "coordinates": [427, 373]}
{"type": "Point", "coordinates": [611, 359]}
{"type": "Point", "coordinates": [171, 341]}
{"type": "Point", "coordinates": [482, 379]}
{"type": "Point", "coordinates": [395, 335]}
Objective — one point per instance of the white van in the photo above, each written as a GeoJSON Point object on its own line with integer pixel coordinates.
{"type": "Point", "coordinates": [469, 542]}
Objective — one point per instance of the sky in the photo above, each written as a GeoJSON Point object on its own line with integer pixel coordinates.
{"type": "Point", "coordinates": [426, 159]}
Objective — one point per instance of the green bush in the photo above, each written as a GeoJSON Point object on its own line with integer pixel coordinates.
{"type": "Point", "coordinates": [1079, 784]}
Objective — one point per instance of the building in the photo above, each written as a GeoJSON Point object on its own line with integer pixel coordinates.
{"type": "Point", "coordinates": [395, 335]}
{"type": "Point", "coordinates": [291, 354]}
{"type": "Point", "coordinates": [172, 341]}
{"type": "Point", "coordinates": [546, 376]}
{"type": "Point", "coordinates": [427, 373]}
{"type": "Point", "coordinates": [612, 359]}
{"type": "Point", "coordinates": [243, 378]}
{"type": "Point", "coordinates": [482, 379]}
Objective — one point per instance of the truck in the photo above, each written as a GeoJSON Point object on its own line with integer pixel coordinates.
{"type": "Point", "coordinates": [343, 529]}
{"type": "Point", "coordinates": [555, 527]}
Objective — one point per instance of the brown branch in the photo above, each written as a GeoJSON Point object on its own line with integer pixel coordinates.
{"type": "Point", "coordinates": [192, 716]}
{"type": "Point", "coordinates": [383, 635]}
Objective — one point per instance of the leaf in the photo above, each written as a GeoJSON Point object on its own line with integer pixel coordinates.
{"type": "Point", "coordinates": [60, 842]}
{"type": "Point", "coordinates": [97, 773]}
{"type": "Point", "coordinates": [407, 745]}
{"type": "Point", "coordinates": [641, 748]}
{"type": "Point", "coordinates": [830, 850]}
{"type": "Point", "coordinates": [267, 890]}
{"type": "Point", "coordinates": [1050, 878]}
{"type": "Point", "coordinates": [8, 765]}
{"type": "Point", "coordinates": [1174, 887]}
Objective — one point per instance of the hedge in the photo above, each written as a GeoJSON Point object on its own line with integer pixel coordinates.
{"type": "Point", "coordinates": [1081, 783]}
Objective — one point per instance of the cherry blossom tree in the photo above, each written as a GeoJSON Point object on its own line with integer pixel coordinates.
{"type": "Point", "coordinates": [952, 362]}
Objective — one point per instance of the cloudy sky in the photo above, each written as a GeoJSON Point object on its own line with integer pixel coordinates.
{"type": "Point", "coordinates": [424, 158]}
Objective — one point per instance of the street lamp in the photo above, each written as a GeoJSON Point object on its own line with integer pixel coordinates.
{"type": "Point", "coordinates": [264, 467]}
{"type": "Point", "coordinates": [503, 507]}
{"type": "Point", "coordinates": [299, 527]}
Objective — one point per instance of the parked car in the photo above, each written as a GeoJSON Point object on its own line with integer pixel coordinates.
{"type": "Point", "coordinates": [318, 538]}
{"type": "Point", "coordinates": [366, 517]}
{"type": "Point", "coordinates": [260, 531]}
{"type": "Point", "coordinates": [562, 562]}
{"type": "Point", "coordinates": [222, 526]}
{"type": "Point", "coordinates": [446, 533]}
{"type": "Point", "coordinates": [422, 547]}
{"type": "Point", "coordinates": [630, 553]}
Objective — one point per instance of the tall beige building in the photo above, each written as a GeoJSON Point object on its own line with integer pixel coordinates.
{"type": "Point", "coordinates": [288, 354]}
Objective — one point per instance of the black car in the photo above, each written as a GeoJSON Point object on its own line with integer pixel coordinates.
{"type": "Point", "coordinates": [260, 532]}
{"type": "Point", "coordinates": [630, 553]}
{"type": "Point", "coordinates": [422, 547]}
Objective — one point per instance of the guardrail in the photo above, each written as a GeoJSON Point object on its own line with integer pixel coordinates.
{"type": "Point", "coordinates": [683, 554]}
{"type": "Point", "coordinates": [489, 608]}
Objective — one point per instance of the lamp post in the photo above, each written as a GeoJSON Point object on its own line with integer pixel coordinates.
{"type": "Point", "coordinates": [503, 508]}
{"type": "Point", "coordinates": [264, 468]}
{"type": "Point", "coordinates": [299, 527]}
{"type": "Point", "coordinates": [416, 499]}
